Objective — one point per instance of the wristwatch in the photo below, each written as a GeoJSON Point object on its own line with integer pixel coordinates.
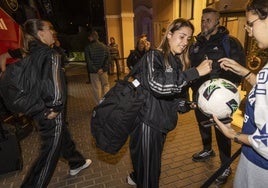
{"type": "Point", "coordinates": [236, 138]}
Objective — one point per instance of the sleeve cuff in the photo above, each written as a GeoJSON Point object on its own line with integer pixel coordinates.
{"type": "Point", "coordinates": [191, 74]}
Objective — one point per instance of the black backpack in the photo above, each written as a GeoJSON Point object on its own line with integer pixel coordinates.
{"type": "Point", "coordinates": [20, 86]}
{"type": "Point", "coordinates": [113, 118]}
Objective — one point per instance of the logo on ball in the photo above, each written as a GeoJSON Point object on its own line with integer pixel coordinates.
{"type": "Point", "coordinates": [219, 97]}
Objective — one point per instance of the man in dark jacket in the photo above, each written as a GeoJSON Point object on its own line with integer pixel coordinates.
{"type": "Point", "coordinates": [97, 57]}
{"type": "Point", "coordinates": [214, 43]}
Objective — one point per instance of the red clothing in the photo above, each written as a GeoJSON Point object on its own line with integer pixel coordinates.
{"type": "Point", "coordinates": [10, 34]}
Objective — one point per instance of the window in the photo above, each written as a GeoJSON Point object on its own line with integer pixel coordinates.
{"type": "Point", "coordinates": [186, 9]}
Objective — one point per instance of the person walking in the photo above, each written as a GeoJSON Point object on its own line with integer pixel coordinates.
{"type": "Point", "coordinates": [55, 137]}
{"type": "Point", "coordinates": [97, 58]}
{"type": "Point", "coordinates": [252, 169]}
{"type": "Point", "coordinates": [214, 42]}
{"type": "Point", "coordinates": [163, 74]}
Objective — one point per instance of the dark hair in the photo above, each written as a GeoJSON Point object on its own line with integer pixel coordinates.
{"type": "Point", "coordinates": [143, 35]}
{"type": "Point", "coordinates": [94, 34]}
{"type": "Point", "coordinates": [208, 10]}
{"type": "Point", "coordinates": [259, 7]}
{"type": "Point", "coordinates": [30, 30]}
{"type": "Point", "coordinates": [211, 10]}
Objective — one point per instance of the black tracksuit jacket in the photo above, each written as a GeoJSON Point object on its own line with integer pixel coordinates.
{"type": "Point", "coordinates": [163, 88]}
{"type": "Point", "coordinates": [51, 78]}
{"type": "Point", "coordinates": [213, 49]}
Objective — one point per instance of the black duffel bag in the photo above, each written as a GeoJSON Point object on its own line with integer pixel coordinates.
{"type": "Point", "coordinates": [113, 118]}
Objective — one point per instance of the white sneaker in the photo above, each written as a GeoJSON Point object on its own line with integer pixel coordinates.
{"type": "Point", "coordinates": [130, 181]}
{"type": "Point", "coordinates": [73, 172]}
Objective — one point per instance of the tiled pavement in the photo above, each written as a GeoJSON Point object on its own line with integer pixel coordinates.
{"type": "Point", "coordinates": [178, 170]}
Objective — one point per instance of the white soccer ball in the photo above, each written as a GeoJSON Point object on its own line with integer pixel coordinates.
{"type": "Point", "coordinates": [219, 97]}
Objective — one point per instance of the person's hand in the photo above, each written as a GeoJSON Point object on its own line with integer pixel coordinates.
{"type": "Point", "coordinates": [3, 58]}
{"type": "Point", "coordinates": [231, 65]}
{"type": "Point", "coordinates": [100, 71]}
{"type": "Point", "coordinates": [205, 67]}
{"type": "Point", "coordinates": [226, 129]}
{"type": "Point", "coordinates": [52, 115]}
{"type": "Point", "coordinates": [193, 105]}
{"type": "Point", "coordinates": [147, 45]}
{"type": "Point", "coordinates": [184, 105]}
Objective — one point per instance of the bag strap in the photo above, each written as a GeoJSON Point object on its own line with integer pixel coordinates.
{"type": "Point", "coordinates": [221, 169]}
{"type": "Point", "coordinates": [133, 71]}
{"type": "Point", "coordinates": [226, 45]}
{"type": "Point", "coordinates": [138, 66]}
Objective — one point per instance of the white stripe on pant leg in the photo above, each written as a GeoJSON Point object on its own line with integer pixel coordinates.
{"type": "Point", "coordinates": [146, 153]}
{"type": "Point", "coordinates": [57, 133]}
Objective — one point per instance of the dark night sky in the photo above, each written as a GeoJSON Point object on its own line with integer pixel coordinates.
{"type": "Point", "coordinates": [80, 8]}
{"type": "Point", "coordinates": [86, 13]}
{"type": "Point", "coordinates": [67, 16]}
{"type": "Point", "coordinates": [62, 12]}
{"type": "Point", "coordinates": [80, 11]}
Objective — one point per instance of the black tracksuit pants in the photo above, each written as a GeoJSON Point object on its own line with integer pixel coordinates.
{"type": "Point", "coordinates": [146, 146]}
{"type": "Point", "coordinates": [224, 143]}
{"type": "Point", "coordinates": [55, 142]}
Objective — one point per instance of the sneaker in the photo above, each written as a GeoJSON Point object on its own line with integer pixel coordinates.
{"type": "Point", "coordinates": [203, 155]}
{"type": "Point", "coordinates": [131, 179]}
{"type": "Point", "coordinates": [222, 179]}
{"type": "Point", "coordinates": [73, 172]}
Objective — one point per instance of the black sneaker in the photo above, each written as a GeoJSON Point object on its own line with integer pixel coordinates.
{"type": "Point", "coordinates": [131, 180]}
{"type": "Point", "coordinates": [222, 179]}
{"type": "Point", "coordinates": [203, 155]}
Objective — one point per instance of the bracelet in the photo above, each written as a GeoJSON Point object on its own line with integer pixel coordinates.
{"type": "Point", "coordinates": [236, 138]}
{"type": "Point", "coordinates": [249, 72]}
